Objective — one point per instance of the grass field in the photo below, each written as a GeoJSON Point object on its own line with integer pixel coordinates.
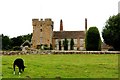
{"type": "Point", "coordinates": [64, 66]}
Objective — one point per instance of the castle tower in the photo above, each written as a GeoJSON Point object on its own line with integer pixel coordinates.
{"type": "Point", "coordinates": [61, 25]}
{"type": "Point", "coordinates": [85, 24]}
{"type": "Point", "coordinates": [42, 32]}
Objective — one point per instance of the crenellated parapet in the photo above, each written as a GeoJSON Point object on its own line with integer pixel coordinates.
{"type": "Point", "coordinates": [41, 22]}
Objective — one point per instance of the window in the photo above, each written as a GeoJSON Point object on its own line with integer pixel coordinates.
{"type": "Point", "coordinates": [75, 41]}
{"type": "Point", "coordinates": [81, 42]}
{"type": "Point", "coordinates": [40, 40]}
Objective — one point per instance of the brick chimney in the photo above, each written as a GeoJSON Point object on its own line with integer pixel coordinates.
{"type": "Point", "coordinates": [61, 25]}
{"type": "Point", "coordinates": [85, 24]}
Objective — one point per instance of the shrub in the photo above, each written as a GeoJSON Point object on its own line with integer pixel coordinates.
{"type": "Point", "coordinates": [59, 45]}
{"type": "Point", "coordinates": [65, 44]}
{"type": "Point", "coordinates": [93, 40]}
{"type": "Point", "coordinates": [72, 44]}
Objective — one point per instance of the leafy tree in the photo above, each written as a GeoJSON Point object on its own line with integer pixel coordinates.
{"type": "Point", "coordinates": [20, 40]}
{"type": "Point", "coordinates": [27, 37]}
{"type": "Point", "coordinates": [65, 43]}
{"type": "Point", "coordinates": [59, 45]}
{"type": "Point", "coordinates": [11, 43]}
{"type": "Point", "coordinates": [93, 40]}
{"type": "Point", "coordinates": [16, 41]}
{"type": "Point", "coordinates": [111, 31]}
{"type": "Point", "coordinates": [72, 44]}
{"type": "Point", "coordinates": [6, 42]}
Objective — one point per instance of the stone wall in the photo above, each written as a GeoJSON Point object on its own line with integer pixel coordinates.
{"type": "Point", "coordinates": [55, 52]}
{"type": "Point", "coordinates": [86, 52]}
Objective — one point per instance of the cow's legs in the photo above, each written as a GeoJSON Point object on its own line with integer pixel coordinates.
{"type": "Point", "coordinates": [14, 68]}
{"type": "Point", "coordinates": [20, 71]}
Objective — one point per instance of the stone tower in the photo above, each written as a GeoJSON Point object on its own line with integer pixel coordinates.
{"type": "Point", "coordinates": [42, 32]}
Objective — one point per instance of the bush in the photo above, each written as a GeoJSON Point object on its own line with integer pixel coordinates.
{"type": "Point", "coordinates": [59, 45]}
{"type": "Point", "coordinates": [72, 44]}
{"type": "Point", "coordinates": [65, 43]}
{"type": "Point", "coordinates": [93, 40]}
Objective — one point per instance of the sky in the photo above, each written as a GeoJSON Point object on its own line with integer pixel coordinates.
{"type": "Point", "coordinates": [16, 15]}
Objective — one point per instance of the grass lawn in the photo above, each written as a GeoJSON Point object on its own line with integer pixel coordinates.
{"type": "Point", "coordinates": [64, 66]}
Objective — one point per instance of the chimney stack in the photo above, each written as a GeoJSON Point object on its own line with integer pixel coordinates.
{"type": "Point", "coordinates": [85, 24]}
{"type": "Point", "coordinates": [61, 25]}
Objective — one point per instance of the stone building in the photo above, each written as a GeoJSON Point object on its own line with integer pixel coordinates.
{"type": "Point", "coordinates": [43, 34]}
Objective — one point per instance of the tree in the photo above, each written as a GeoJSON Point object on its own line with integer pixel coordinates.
{"type": "Point", "coordinates": [93, 40]}
{"type": "Point", "coordinates": [11, 43]}
{"type": "Point", "coordinates": [59, 45]}
{"type": "Point", "coordinates": [65, 43]}
{"type": "Point", "coordinates": [17, 41]}
{"type": "Point", "coordinates": [27, 37]}
{"type": "Point", "coordinates": [72, 44]}
{"type": "Point", "coordinates": [6, 42]}
{"type": "Point", "coordinates": [111, 31]}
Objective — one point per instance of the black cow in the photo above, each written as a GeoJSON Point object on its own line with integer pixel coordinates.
{"type": "Point", "coordinates": [20, 64]}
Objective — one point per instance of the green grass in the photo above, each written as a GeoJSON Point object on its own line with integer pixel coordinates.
{"type": "Point", "coordinates": [64, 66]}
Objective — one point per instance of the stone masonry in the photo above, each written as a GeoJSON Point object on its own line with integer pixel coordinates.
{"type": "Point", "coordinates": [42, 32]}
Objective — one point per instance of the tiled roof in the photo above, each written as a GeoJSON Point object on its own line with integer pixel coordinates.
{"type": "Point", "coordinates": [68, 34]}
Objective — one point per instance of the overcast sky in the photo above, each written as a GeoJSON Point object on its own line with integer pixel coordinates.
{"type": "Point", "coordinates": [16, 15]}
